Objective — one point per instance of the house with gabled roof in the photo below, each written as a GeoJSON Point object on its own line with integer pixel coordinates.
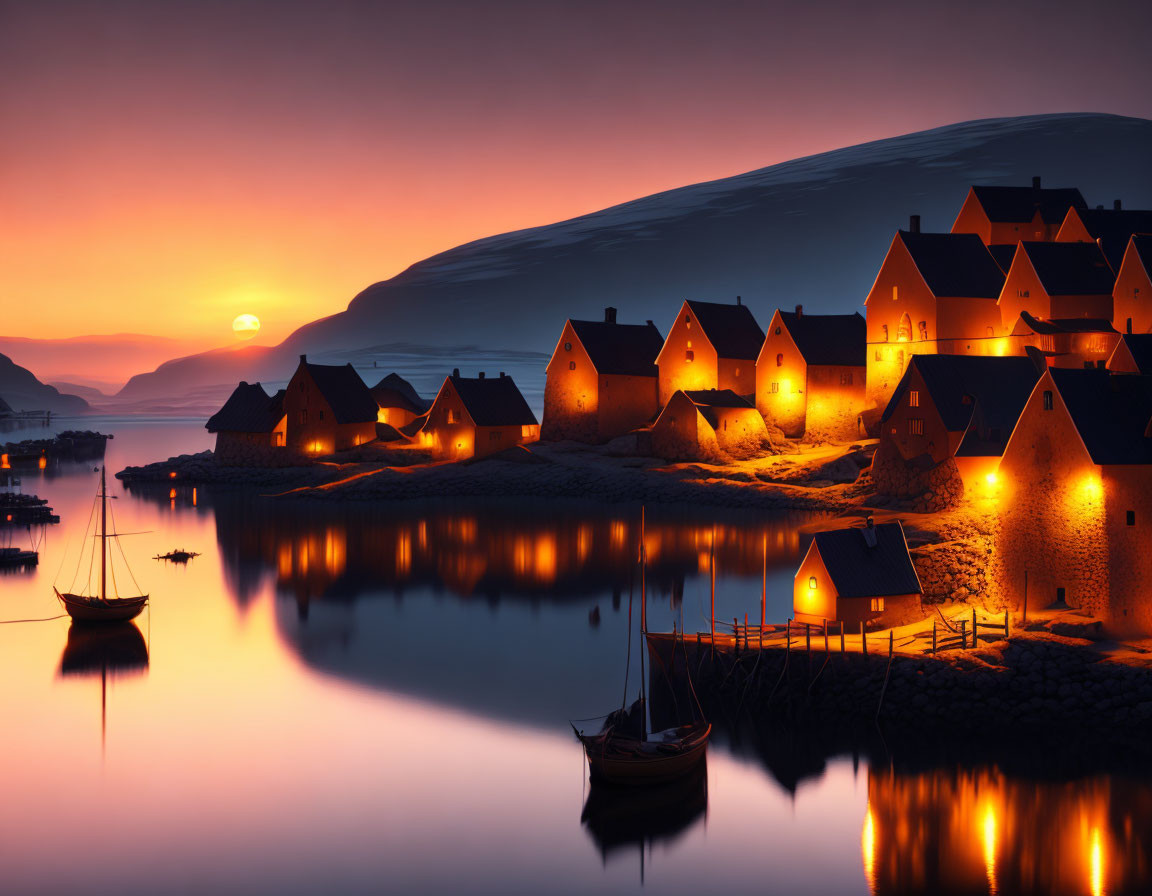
{"type": "Point", "coordinates": [1133, 354]}
{"type": "Point", "coordinates": [1006, 215]}
{"type": "Point", "coordinates": [1132, 293]}
{"type": "Point", "coordinates": [935, 293]}
{"type": "Point", "coordinates": [602, 380]}
{"type": "Point", "coordinates": [1076, 498]}
{"type": "Point", "coordinates": [710, 346]}
{"type": "Point", "coordinates": [328, 409]}
{"type": "Point", "coordinates": [1109, 228]}
{"type": "Point", "coordinates": [1069, 342]}
{"type": "Point", "coordinates": [399, 404]}
{"type": "Point", "coordinates": [477, 416]}
{"type": "Point", "coordinates": [859, 575]}
{"type": "Point", "coordinates": [810, 373]}
{"type": "Point", "coordinates": [250, 418]}
{"type": "Point", "coordinates": [1057, 280]}
{"type": "Point", "coordinates": [950, 408]}
{"type": "Point", "coordinates": [714, 425]}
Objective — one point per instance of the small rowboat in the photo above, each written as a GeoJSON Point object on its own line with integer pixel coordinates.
{"type": "Point", "coordinates": [180, 556]}
{"type": "Point", "coordinates": [663, 756]}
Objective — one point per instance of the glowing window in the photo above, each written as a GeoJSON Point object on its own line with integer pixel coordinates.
{"type": "Point", "coordinates": [877, 605]}
{"type": "Point", "coordinates": [688, 321]}
{"type": "Point", "coordinates": [884, 331]}
{"type": "Point", "coordinates": [1047, 399]}
{"type": "Point", "coordinates": [895, 293]}
{"type": "Point", "coordinates": [1130, 517]}
{"type": "Point", "coordinates": [812, 582]}
{"type": "Point", "coordinates": [451, 416]}
{"type": "Point", "coordinates": [567, 346]}
{"type": "Point", "coordinates": [689, 355]}
{"type": "Point", "coordinates": [526, 431]}
{"type": "Point", "coordinates": [915, 426]}
{"type": "Point", "coordinates": [736, 372]}
{"type": "Point", "coordinates": [688, 344]}
{"type": "Point", "coordinates": [780, 360]}
{"type": "Point", "coordinates": [924, 330]}
{"type": "Point", "coordinates": [775, 388]}
{"type": "Point", "coordinates": [913, 399]}
{"type": "Point", "coordinates": [571, 365]}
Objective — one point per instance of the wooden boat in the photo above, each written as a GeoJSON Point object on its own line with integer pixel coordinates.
{"type": "Point", "coordinates": [180, 556]}
{"type": "Point", "coordinates": [100, 608]}
{"type": "Point", "coordinates": [11, 558]}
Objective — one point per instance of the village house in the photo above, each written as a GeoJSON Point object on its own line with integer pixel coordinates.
{"type": "Point", "coordinates": [1072, 342]}
{"type": "Point", "coordinates": [858, 576]}
{"type": "Point", "coordinates": [1057, 280]}
{"type": "Point", "coordinates": [1007, 215]}
{"type": "Point", "coordinates": [398, 402]}
{"type": "Point", "coordinates": [715, 425]}
{"type": "Point", "coordinates": [950, 410]}
{"type": "Point", "coordinates": [1133, 354]}
{"type": "Point", "coordinates": [250, 419]}
{"type": "Point", "coordinates": [710, 346]}
{"type": "Point", "coordinates": [474, 417]}
{"type": "Point", "coordinates": [602, 380]}
{"type": "Point", "coordinates": [935, 293]}
{"type": "Point", "coordinates": [328, 409]}
{"type": "Point", "coordinates": [1109, 228]}
{"type": "Point", "coordinates": [1132, 294]}
{"type": "Point", "coordinates": [1076, 480]}
{"type": "Point", "coordinates": [810, 373]}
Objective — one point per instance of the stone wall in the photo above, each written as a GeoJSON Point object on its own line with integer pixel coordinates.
{"type": "Point", "coordinates": [240, 454]}
{"type": "Point", "coordinates": [956, 572]}
{"type": "Point", "coordinates": [925, 486]}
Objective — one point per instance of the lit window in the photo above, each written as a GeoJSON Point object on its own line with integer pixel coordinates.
{"type": "Point", "coordinates": [1047, 399]}
{"type": "Point", "coordinates": [571, 365]}
{"type": "Point", "coordinates": [451, 416]}
{"type": "Point", "coordinates": [688, 344]}
{"type": "Point", "coordinates": [688, 321]}
{"type": "Point", "coordinates": [884, 331]}
{"type": "Point", "coordinates": [736, 372]}
{"type": "Point", "coordinates": [526, 431]}
{"type": "Point", "coordinates": [913, 399]}
{"type": "Point", "coordinates": [895, 293]}
{"type": "Point", "coordinates": [812, 582]}
{"type": "Point", "coordinates": [775, 388]}
{"type": "Point", "coordinates": [915, 426]}
{"type": "Point", "coordinates": [1130, 517]}
{"type": "Point", "coordinates": [877, 605]}
{"type": "Point", "coordinates": [689, 355]}
{"type": "Point", "coordinates": [780, 360]}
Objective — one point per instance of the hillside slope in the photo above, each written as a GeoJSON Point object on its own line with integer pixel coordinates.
{"type": "Point", "coordinates": [811, 231]}
{"type": "Point", "coordinates": [23, 392]}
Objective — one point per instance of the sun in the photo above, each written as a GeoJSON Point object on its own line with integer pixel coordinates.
{"type": "Point", "coordinates": [245, 326]}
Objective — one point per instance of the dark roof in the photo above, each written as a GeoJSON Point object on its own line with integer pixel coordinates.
{"type": "Point", "coordinates": [717, 398]}
{"type": "Point", "coordinates": [858, 569]}
{"type": "Point", "coordinates": [1111, 413]}
{"type": "Point", "coordinates": [1113, 227]}
{"type": "Point", "coordinates": [248, 409]}
{"type": "Point", "coordinates": [1067, 324]}
{"type": "Point", "coordinates": [954, 264]}
{"type": "Point", "coordinates": [620, 349]}
{"type": "Point", "coordinates": [396, 392]}
{"type": "Point", "coordinates": [1140, 347]}
{"type": "Point", "coordinates": [1002, 254]}
{"type": "Point", "coordinates": [731, 329]}
{"type": "Point", "coordinates": [350, 399]}
{"type": "Point", "coordinates": [829, 339]}
{"type": "Point", "coordinates": [1070, 269]}
{"type": "Point", "coordinates": [493, 401]}
{"type": "Point", "coordinates": [1001, 384]}
{"type": "Point", "coordinates": [1019, 204]}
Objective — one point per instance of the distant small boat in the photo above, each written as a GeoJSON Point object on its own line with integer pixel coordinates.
{"type": "Point", "coordinates": [180, 556]}
{"type": "Point", "coordinates": [100, 608]}
{"type": "Point", "coordinates": [14, 557]}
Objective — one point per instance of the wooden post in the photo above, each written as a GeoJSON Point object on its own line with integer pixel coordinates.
{"type": "Point", "coordinates": [643, 591]}
{"type": "Point", "coordinates": [863, 639]}
{"type": "Point", "coordinates": [963, 634]}
{"type": "Point", "coordinates": [973, 626]}
{"type": "Point", "coordinates": [764, 586]}
{"type": "Point", "coordinates": [745, 631]}
{"type": "Point", "coordinates": [788, 635]}
{"type": "Point", "coordinates": [933, 634]}
{"type": "Point", "coordinates": [808, 639]}
{"type": "Point", "coordinates": [1006, 632]}
{"type": "Point", "coordinates": [1025, 595]}
{"type": "Point", "coordinates": [736, 633]}
{"type": "Point", "coordinates": [841, 635]}
{"type": "Point", "coordinates": [825, 635]}
{"type": "Point", "coordinates": [712, 573]}
{"type": "Point", "coordinates": [891, 639]}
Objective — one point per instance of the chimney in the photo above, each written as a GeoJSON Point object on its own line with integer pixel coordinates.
{"type": "Point", "coordinates": [303, 359]}
{"type": "Point", "coordinates": [737, 300]}
{"type": "Point", "coordinates": [1116, 205]}
{"type": "Point", "coordinates": [244, 383]}
{"type": "Point", "coordinates": [456, 371]}
{"type": "Point", "coordinates": [481, 374]}
{"type": "Point", "coordinates": [799, 310]}
{"type": "Point", "coordinates": [502, 374]}
{"type": "Point", "coordinates": [914, 223]}
{"type": "Point", "coordinates": [651, 324]}
{"type": "Point", "coordinates": [869, 533]}
{"type": "Point", "coordinates": [1036, 183]}
{"type": "Point", "coordinates": [609, 315]}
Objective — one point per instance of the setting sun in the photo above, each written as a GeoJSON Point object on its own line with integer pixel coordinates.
{"type": "Point", "coordinates": [246, 326]}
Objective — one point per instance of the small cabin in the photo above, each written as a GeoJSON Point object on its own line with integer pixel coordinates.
{"type": "Point", "coordinates": [1109, 228]}
{"type": "Point", "coordinates": [328, 409]}
{"type": "Point", "coordinates": [602, 380]}
{"type": "Point", "coordinates": [474, 417]}
{"type": "Point", "coordinates": [714, 425]}
{"type": "Point", "coordinates": [710, 346]}
{"type": "Point", "coordinates": [810, 373]}
{"type": "Point", "coordinates": [1075, 491]}
{"type": "Point", "coordinates": [860, 575]}
{"type": "Point", "coordinates": [1057, 280]}
{"type": "Point", "coordinates": [1006, 215]}
{"type": "Point", "coordinates": [1132, 294]}
{"type": "Point", "coordinates": [250, 418]}
{"type": "Point", "coordinates": [1133, 354]}
{"type": "Point", "coordinates": [398, 402]}
{"type": "Point", "coordinates": [935, 293]}
{"type": "Point", "coordinates": [1072, 342]}
{"type": "Point", "coordinates": [951, 407]}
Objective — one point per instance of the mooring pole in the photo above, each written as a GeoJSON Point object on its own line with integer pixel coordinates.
{"type": "Point", "coordinates": [712, 574]}
{"type": "Point", "coordinates": [841, 635]}
{"type": "Point", "coordinates": [764, 586]}
{"type": "Point", "coordinates": [863, 639]}
{"type": "Point", "coordinates": [1025, 595]}
{"type": "Point", "coordinates": [933, 634]}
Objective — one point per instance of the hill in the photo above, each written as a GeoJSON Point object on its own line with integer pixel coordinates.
{"type": "Point", "coordinates": [20, 389]}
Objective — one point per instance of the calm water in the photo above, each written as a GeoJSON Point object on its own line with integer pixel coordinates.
{"type": "Point", "coordinates": [375, 699]}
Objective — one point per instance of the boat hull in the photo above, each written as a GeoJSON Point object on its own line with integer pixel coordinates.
{"type": "Point", "coordinates": [93, 610]}
{"type": "Point", "coordinates": [610, 765]}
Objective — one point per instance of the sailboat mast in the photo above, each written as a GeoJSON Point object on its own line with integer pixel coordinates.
{"type": "Point", "coordinates": [643, 634]}
{"type": "Point", "coordinates": [103, 533]}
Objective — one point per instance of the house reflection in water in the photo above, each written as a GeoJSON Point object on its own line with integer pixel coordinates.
{"type": "Point", "coordinates": [980, 831]}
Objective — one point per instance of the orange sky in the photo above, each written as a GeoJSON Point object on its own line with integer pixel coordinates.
{"type": "Point", "coordinates": [168, 166]}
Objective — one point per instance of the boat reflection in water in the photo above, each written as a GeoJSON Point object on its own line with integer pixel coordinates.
{"type": "Point", "coordinates": [980, 831]}
{"type": "Point", "coordinates": [111, 650]}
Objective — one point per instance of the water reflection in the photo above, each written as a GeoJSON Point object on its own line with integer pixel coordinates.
{"type": "Point", "coordinates": [105, 651]}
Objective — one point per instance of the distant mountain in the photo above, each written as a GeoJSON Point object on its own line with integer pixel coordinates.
{"type": "Point", "coordinates": [20, 389]}
{"type": "Point", "coordinates": [811, 231]}
{"type": "Point", "coordinates": [88, 393]}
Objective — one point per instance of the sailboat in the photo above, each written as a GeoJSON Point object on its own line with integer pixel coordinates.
{"type": "Point", "coordinates": [100, 608]}
{"type": "Point", "coordinates": [623, 752]}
